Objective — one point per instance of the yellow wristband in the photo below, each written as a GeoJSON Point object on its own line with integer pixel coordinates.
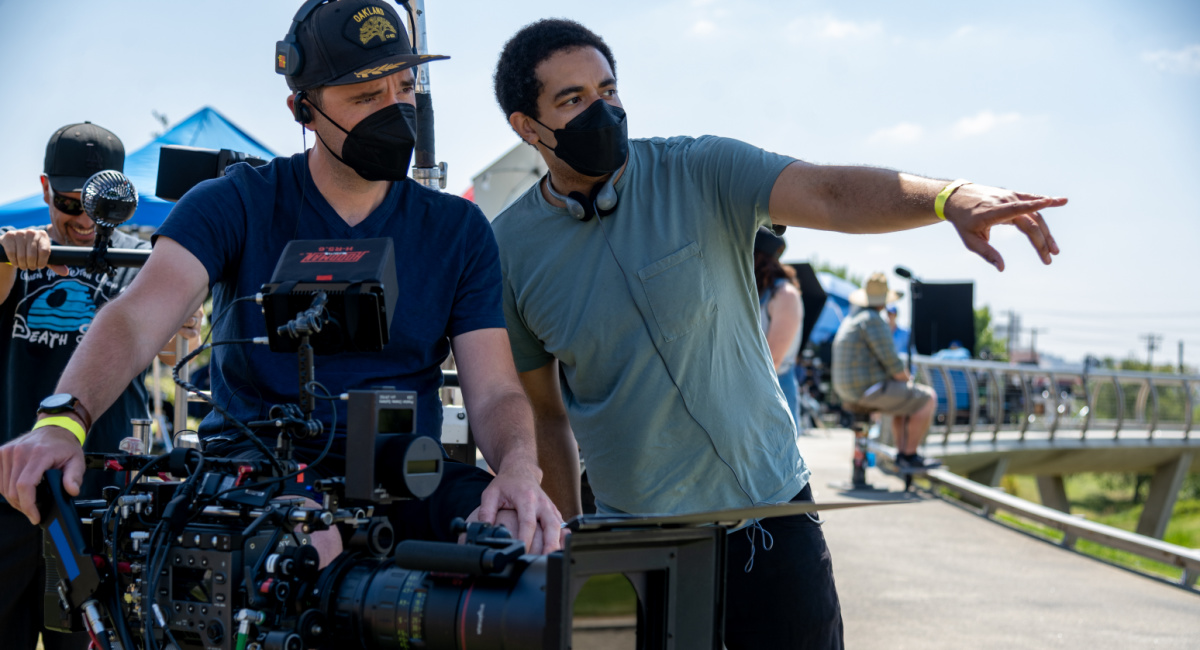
{"type": "Point", "coordinates": [939, 204]}
{"type": "Point", "coordinates": [64, 422]}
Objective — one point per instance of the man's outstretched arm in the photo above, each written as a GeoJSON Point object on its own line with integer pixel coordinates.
{"type": "Point", "coordinates": [122, 340]}
{"type": "Point", "coordinates": [503, 423]}
{"type": "Point", "coordinates": [873, 200]}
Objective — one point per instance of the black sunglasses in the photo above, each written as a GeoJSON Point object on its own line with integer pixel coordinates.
{"type": "Point", "coordinates": [67, 205]}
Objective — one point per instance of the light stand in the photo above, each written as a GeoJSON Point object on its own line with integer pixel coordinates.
{"type": "Point", "coordinates": [914, 284]}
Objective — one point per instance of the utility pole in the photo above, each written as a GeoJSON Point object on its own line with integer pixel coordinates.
{"type": "Point", "coordinates": [1014, 326]}
{"type": "Point", "coordinates": [1033, 332]}
{"type": "Point", "coordinates": [1181, 356]}
{"type": "Point", "coordinates": [1152, 341]}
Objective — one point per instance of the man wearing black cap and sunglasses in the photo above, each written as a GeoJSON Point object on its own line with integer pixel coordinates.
{"type": "Point", "coordinates": [44, 312]}
{"type": "Point", "coordinates": [349, 65]}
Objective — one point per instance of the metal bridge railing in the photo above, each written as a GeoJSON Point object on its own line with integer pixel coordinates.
{"type": "Point", "coordinates": [990, 401]}
{"type": "Point", "coordinates": [1075, 528]}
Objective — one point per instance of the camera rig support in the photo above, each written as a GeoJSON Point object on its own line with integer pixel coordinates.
{"type": "Point", "coordinates": [203, 552]}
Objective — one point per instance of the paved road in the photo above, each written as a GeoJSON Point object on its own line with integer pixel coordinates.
{"type": "Point", "coordinates": [932, 575]}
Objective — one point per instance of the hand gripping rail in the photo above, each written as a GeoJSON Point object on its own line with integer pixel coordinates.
{"type": "Point", "coordinates": [78, 256]}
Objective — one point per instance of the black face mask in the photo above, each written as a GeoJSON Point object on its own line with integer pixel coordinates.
{"type": "Point", "coordinates": [595, 142]}
{"type": "Point", "coordinates": [379, 148]}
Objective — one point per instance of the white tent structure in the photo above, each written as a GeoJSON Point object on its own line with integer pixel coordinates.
{"type": "Point", "coordinates": [501, 182]}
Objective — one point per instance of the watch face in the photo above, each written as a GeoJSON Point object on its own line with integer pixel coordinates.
{"type": "Point", "coordinates": [57, 402]}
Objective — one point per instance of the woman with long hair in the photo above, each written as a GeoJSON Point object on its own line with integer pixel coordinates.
{"type": "Point", "coordinates": [781, 313]}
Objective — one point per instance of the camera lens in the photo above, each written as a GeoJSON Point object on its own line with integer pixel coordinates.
{"type": "Point", "coordinates": [384, 606]}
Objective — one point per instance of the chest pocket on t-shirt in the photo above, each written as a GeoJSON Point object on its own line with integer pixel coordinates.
{"type": "Point", "coordinates": [678, 291]}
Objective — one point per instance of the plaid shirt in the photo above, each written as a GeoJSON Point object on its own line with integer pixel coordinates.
{"type": "Point", "coordinates": [863, 354]}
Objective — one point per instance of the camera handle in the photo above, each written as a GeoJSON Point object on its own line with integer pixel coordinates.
{"type": "Point", "coordinates": [296, 420]}
{"type": "Point", "coordinates": [490, 549]}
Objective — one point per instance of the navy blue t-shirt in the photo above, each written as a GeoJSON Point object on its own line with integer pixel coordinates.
{"type": "Point", "coordinates": [447, 271]}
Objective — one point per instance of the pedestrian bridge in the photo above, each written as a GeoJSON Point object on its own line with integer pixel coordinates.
{"type": "Point", "coordinates": [997, 418]}
{"type": "Point", "coordinates": [940, 574]}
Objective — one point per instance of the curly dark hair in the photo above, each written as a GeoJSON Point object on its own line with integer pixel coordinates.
{"type": "Point", "coordinates": [515, 82]}
{"type": "Point", "coordinates": [768, 269]}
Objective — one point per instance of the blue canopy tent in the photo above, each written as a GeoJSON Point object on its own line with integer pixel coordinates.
{"type": "Point", "coordinates": [206, 128]}
{"type": "Point", "coordinates": [837, 307]}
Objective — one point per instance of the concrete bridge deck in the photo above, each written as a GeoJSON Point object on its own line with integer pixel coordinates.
{"type": "Point", "coordinates": [933, 575]}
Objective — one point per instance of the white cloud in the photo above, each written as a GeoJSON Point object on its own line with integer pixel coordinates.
{"type": "Point", "coordinates": [834, 28]}
{"type": "Point", "coordinates": [982, 123]}
{"type": "Point", "coordinates": [903, 133]}
{"type": "Point", "coordinates": [964, 31]}
{"type": "Point", "coordinates": [703, 27]}
{"type": "Point", "coordinates": [829, 28]}
{"type": "Point", "coordinates": [1185, 60]}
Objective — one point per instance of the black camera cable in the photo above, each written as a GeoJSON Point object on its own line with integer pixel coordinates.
{"type": "Point", "coordinates": [159, 542]}
{"type": "Point", "coordinates": [192, 388]}
{"type": "Point", "coordinates": [333, 399]}
{"type": "Point", "coordinates": [154, 614]}
{"type": "Point", "coordinates": [163, 533]}
{"type": "Point", "coordinates": [113, 559]}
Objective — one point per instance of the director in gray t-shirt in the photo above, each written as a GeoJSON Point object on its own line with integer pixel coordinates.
{"type": "Point", "coordinates": [632, 313]}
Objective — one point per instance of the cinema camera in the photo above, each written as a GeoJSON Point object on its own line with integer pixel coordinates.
{"type": "Point", "coordinates": [199, 551]}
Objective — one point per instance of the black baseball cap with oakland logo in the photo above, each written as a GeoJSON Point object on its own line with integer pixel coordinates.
{"type": "Point", "coordinates": [77, 151]}
{"type": "Point", "coordinates": [350, 41]}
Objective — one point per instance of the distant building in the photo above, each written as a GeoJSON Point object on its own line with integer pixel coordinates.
{"type": "Point", "coordinates": [501, 182]}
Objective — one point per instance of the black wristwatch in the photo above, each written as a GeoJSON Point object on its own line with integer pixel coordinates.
{"type": "Point", "coordinates": [62, 403]}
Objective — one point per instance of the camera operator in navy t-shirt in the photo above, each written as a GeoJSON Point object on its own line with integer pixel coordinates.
{"type": "Point", "coordinates": [355, 91]}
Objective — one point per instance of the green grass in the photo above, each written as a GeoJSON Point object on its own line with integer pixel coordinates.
{"type": "Point", "coordinates": [606, 595]}
{"type": "Point", "coordinates": [1108, 499]}
{"type": "Point", "coordinates": [1096, 497]}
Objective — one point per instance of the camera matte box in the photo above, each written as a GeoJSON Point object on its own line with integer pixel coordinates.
{"type": "Point", "coordinates": [359, 278]}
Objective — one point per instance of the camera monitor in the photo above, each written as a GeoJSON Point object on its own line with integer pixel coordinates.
{"type": "Point", "coordinates": [358, 277]}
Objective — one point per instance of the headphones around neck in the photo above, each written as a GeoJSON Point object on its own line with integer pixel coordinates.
{"type": "Point", "coordinates": [601, 202]}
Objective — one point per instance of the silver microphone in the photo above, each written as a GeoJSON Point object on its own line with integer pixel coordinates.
{"type": "Point", "coordinates": [109, 199]}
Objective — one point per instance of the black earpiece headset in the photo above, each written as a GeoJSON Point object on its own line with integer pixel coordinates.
{"type": "Point", "coordinates": [602, 201]}
{"type": "Point", "coordinates": [289, 58]}
{"type": "Point", "coordinates": [299, 110]}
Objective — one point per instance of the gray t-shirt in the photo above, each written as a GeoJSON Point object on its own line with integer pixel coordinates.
{"type": "Point", "coordinates": [665, 373]}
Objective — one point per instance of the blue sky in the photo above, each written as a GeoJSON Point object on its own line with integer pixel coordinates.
{"type": "Point", "coordinates": [1097, 101]}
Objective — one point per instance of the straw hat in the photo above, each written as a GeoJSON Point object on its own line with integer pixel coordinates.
{"type": "Point", "coordinates": [875, 294]}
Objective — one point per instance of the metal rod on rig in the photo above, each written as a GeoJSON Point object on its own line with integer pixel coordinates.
{"type": "Point", "coordinates": [181, 395]}
{"type": "Point", "coordinates": [426, 169]}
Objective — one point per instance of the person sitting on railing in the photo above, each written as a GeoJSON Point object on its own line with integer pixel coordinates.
{"type": "Point", "coordinates": [868, 373]}
{"type": "Point", "coordinates": [44, 311]}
